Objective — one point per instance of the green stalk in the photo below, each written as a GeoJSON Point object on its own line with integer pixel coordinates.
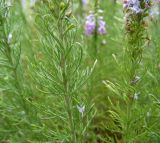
{"type": "Point", "coordinates": [81, 8]}
{"type": "Point", "coordinates": [68, 103]}
{"type": "Point", "coordinates": [67, 96]}
{"type": "Point", "coordinates": [95, 36]}
{"type": "Point", "coordinates": [68, 100]}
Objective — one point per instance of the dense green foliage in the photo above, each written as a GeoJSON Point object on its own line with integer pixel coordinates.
{"type": "Point", "coordinates": [60, 85]}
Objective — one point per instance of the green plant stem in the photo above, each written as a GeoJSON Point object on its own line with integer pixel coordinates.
{"type": "Point", "coordinates": [95, 36]}
{"type": "Point", "coordinates": [68, 102]}
{"type": "Point", "coordinates": [81, 8]}
{"type": "Point", "coordinates": [67, 96]}
{"type": "Point", "coordinates": [70, 117]}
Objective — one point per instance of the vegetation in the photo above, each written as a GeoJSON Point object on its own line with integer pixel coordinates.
{"type": "Point", "coordinates": [79, 71]}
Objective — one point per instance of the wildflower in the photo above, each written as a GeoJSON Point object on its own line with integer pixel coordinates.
{"type": "Point", "coordinates": [135, 6]}
{"type": "Point", "coordinates": [101, 26]}
{"type": "Point", "coordinates": [9, 38]}
{"type": "Point", "coordinates": [136, 96]}
{"type": "Point", "coordinates": [136, 9]}
{"type": "Point", "coordinates": [81, 109]}
{"type": "Point", "coordinates": [135, 80]}
{"type": "Point", "coordinates": [125, 3]}
{"type": "Point", "coordinates": [90, 24]}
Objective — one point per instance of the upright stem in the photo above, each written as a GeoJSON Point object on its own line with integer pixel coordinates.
{"type": "Point", "coordinates": [68, 101]}
{"type": "Point", "coordinates": [67, 96]}
{"type": "Point", "coordinates": [81, 8]}
{"type": "Point", "coordinates": [95, 37]}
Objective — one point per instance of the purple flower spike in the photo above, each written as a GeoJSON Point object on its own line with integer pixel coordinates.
{"type": "Point", "coordinates": [101, 26]}
{"type": "Point", "coordinates": [134, 5]}
{"type": "Point", "coordinates": [90, 24]}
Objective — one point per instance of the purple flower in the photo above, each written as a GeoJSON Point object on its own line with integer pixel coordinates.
{"type": "Point", "coordinates": [90, 24]}
{"type": "Point", "coordinates": [136, 9]}
{"type": "Point", "coordinates": [134, 5]}
{"type": "Point", "coordinates": [125, 4]}
{"type": "Point", "coordinates": [84, 2]}
{"type": "Point", "coordinates": [101, 26]}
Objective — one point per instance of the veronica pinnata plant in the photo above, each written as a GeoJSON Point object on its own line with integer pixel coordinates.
{"type": "Point", "coordinates": [60, 73]}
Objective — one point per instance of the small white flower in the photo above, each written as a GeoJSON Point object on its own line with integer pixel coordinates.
{"type": "Point", "coordinates": [135, 80]}
{"type": "Point", "coordinates": [9, 37]}
{"type": "Point", "coordinates": [136, 96]}
{"type": "Point", "coordinates": [81, 109]}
